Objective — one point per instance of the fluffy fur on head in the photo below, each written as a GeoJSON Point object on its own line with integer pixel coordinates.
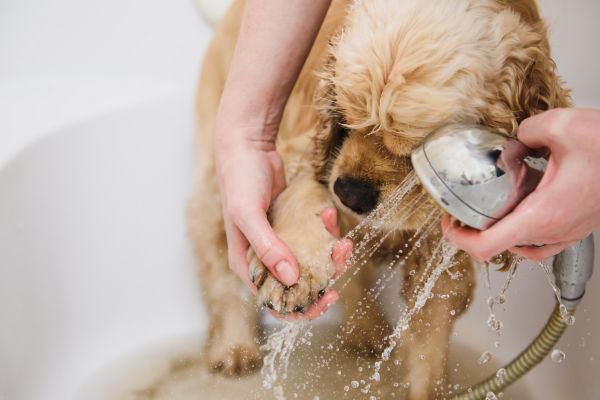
{"type": "Point", "coordinates": [399, 69]}
{"type": "Point", "coordinates": [402, 68]}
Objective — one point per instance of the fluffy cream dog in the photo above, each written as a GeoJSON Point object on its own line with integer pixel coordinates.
{"type": "Point", "coordinates": [381, 76]}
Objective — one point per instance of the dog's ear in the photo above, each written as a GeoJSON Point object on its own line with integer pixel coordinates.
{"type": "Point", "coordinates": [528, 83]}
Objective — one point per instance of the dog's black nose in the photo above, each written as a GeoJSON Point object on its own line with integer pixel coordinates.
{"type": "Point", "coordinates": [358, 195]}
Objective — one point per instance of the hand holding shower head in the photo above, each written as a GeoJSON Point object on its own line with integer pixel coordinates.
{"type": "Point", "coordinates": [476, 175]}
{"type": "Point", "coordinates": [479, 177]}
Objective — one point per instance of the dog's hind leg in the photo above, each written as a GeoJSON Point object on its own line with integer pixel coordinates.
{"type": "Point", "coordinates": [232, 344]}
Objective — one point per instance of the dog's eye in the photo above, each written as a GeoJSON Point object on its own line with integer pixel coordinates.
{"type": "Point", "coordinates": [339, 134]}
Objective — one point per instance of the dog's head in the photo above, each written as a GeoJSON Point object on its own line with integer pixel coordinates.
{"type": "Point", "coordinates": [401, 69]}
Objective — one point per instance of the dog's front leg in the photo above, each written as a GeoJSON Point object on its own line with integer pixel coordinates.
{"type": "Point", "coordinates": [425, 344]}
{"type": "Point", "coordinates": [295, 216]}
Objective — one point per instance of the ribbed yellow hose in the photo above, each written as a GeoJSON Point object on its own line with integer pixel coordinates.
{"type": "Point", "coordinates": [523, 363]}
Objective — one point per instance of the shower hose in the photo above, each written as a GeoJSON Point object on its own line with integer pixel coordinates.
{"type": "Point", "coordinates": [523, 363]}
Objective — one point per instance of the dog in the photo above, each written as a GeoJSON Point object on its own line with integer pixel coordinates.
{"type": "Point", "coordinates": [381, 75]}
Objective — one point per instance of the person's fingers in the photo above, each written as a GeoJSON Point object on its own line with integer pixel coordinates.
{"type": "Point", "coordinates": [329, 217]}
{"type": "Point", "coordinates": [483, 245]}
{"type": "Point", "coordinates": [540, 253]}
{"type": "Point", "coordinates": [237, 248]}
{"type": "Point", "coordinates": [315, 311]}
{"type": "Point", "coordinates": [271, 250]}
{"type": "Point", "coordinates": [542, 130]}
{"type": "Point", "coordinates": [340, 254]}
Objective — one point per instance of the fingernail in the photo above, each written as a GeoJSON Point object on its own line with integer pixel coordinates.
{"type": "Point", "coordinates": [285, 273]}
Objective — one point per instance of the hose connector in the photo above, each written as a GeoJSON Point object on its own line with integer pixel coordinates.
{"type": "Point", "coordinates": [572, 269]}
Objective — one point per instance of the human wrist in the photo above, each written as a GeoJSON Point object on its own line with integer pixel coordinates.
{"type": "Point", "coordinates": [244, 126]}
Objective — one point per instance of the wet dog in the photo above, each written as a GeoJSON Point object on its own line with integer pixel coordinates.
{"type": "Point", "coordinates": [382, 74]}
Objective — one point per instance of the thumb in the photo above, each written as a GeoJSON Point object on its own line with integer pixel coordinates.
{"type": "Point", "coordinates": [541, 130]}
{"type": "Point", "coordinates": [271, 250]}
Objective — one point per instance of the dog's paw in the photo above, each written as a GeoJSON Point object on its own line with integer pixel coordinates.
{"type": "Point", "coordinates": [293, 299]}
{"type": "Point", "coordinates": [233, 359]}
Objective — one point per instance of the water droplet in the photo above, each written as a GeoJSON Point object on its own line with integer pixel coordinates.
{"type": "Point", "coordinates": [500, 375]}
{"type": "Point", "coordinates": [490, 396]}
{"type": "Point", "coordinates": [566, 315]}
{"type": "Point", "coordinates": [485, 358]}
{"type": "Point", "coordinates": [376, 377]}
{"type": "Point", "coordinates": [497, 345]}
{"type": "Point", "coordinates": [558, 356]}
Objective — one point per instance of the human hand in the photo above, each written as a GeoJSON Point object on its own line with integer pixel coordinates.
{"type": "Point", "coordinates": [251, 175]}
{"type": "Point", "coordinates": [564, 208]}
{"type": "Point", "coordinates": [339, 255]}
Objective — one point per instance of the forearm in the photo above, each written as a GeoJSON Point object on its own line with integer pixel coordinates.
{"type": "Point", "coordinates": [274, 41]}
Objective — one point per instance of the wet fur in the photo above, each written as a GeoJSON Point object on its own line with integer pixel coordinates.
{"type": "Point", "coordinates": [381, 75]}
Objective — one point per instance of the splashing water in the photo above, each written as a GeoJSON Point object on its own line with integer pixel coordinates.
{"type": "Point", "coordinates": [500, 375]}
{"type": "Point", "coordinates": [485, 358]}
{"type": "Point", "coordinates": [567, 317]}
{"type": "Point", "coordinates": [367, 239]}
{"type": "Point", "coordinates": [491, 396]}
{"type": "Point", "coordinates": [446, 251]}
{"type": "Point", "coordinates": [280, 346]}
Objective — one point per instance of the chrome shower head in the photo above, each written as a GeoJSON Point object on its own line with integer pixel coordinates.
{"type": "Point", "coordinates": [476, 175]}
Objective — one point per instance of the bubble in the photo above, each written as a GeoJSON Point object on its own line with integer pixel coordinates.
{"type": "Point", "coordinates": [354, 384]}
{"type": "Point", "coordinates": [558, 356]}
{"type": "Point", "coordinates": [491, 396]}
{"type": "Point", "coordinates": [346, 388]}
{"type": "Point", "coordinates": [452, 312]}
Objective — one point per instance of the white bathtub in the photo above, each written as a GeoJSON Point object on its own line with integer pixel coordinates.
{"type": "Point", "coordinates": [94, 262]}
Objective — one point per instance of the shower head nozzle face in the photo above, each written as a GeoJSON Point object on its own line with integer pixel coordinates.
{"type": "Point", "coordinates": [476, 175]}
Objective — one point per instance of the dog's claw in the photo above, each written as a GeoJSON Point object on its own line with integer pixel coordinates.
{"type": "Point", "coordinates": [299, 308]}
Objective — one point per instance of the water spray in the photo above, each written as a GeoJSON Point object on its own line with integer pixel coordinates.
{"type": "Point", "coordinates": [478, 177]}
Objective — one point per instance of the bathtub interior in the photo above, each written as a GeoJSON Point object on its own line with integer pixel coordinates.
{"type": "Point", "coordinates": [97, 270]}
{"type": "Point", "coordinates": [96, 275]}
